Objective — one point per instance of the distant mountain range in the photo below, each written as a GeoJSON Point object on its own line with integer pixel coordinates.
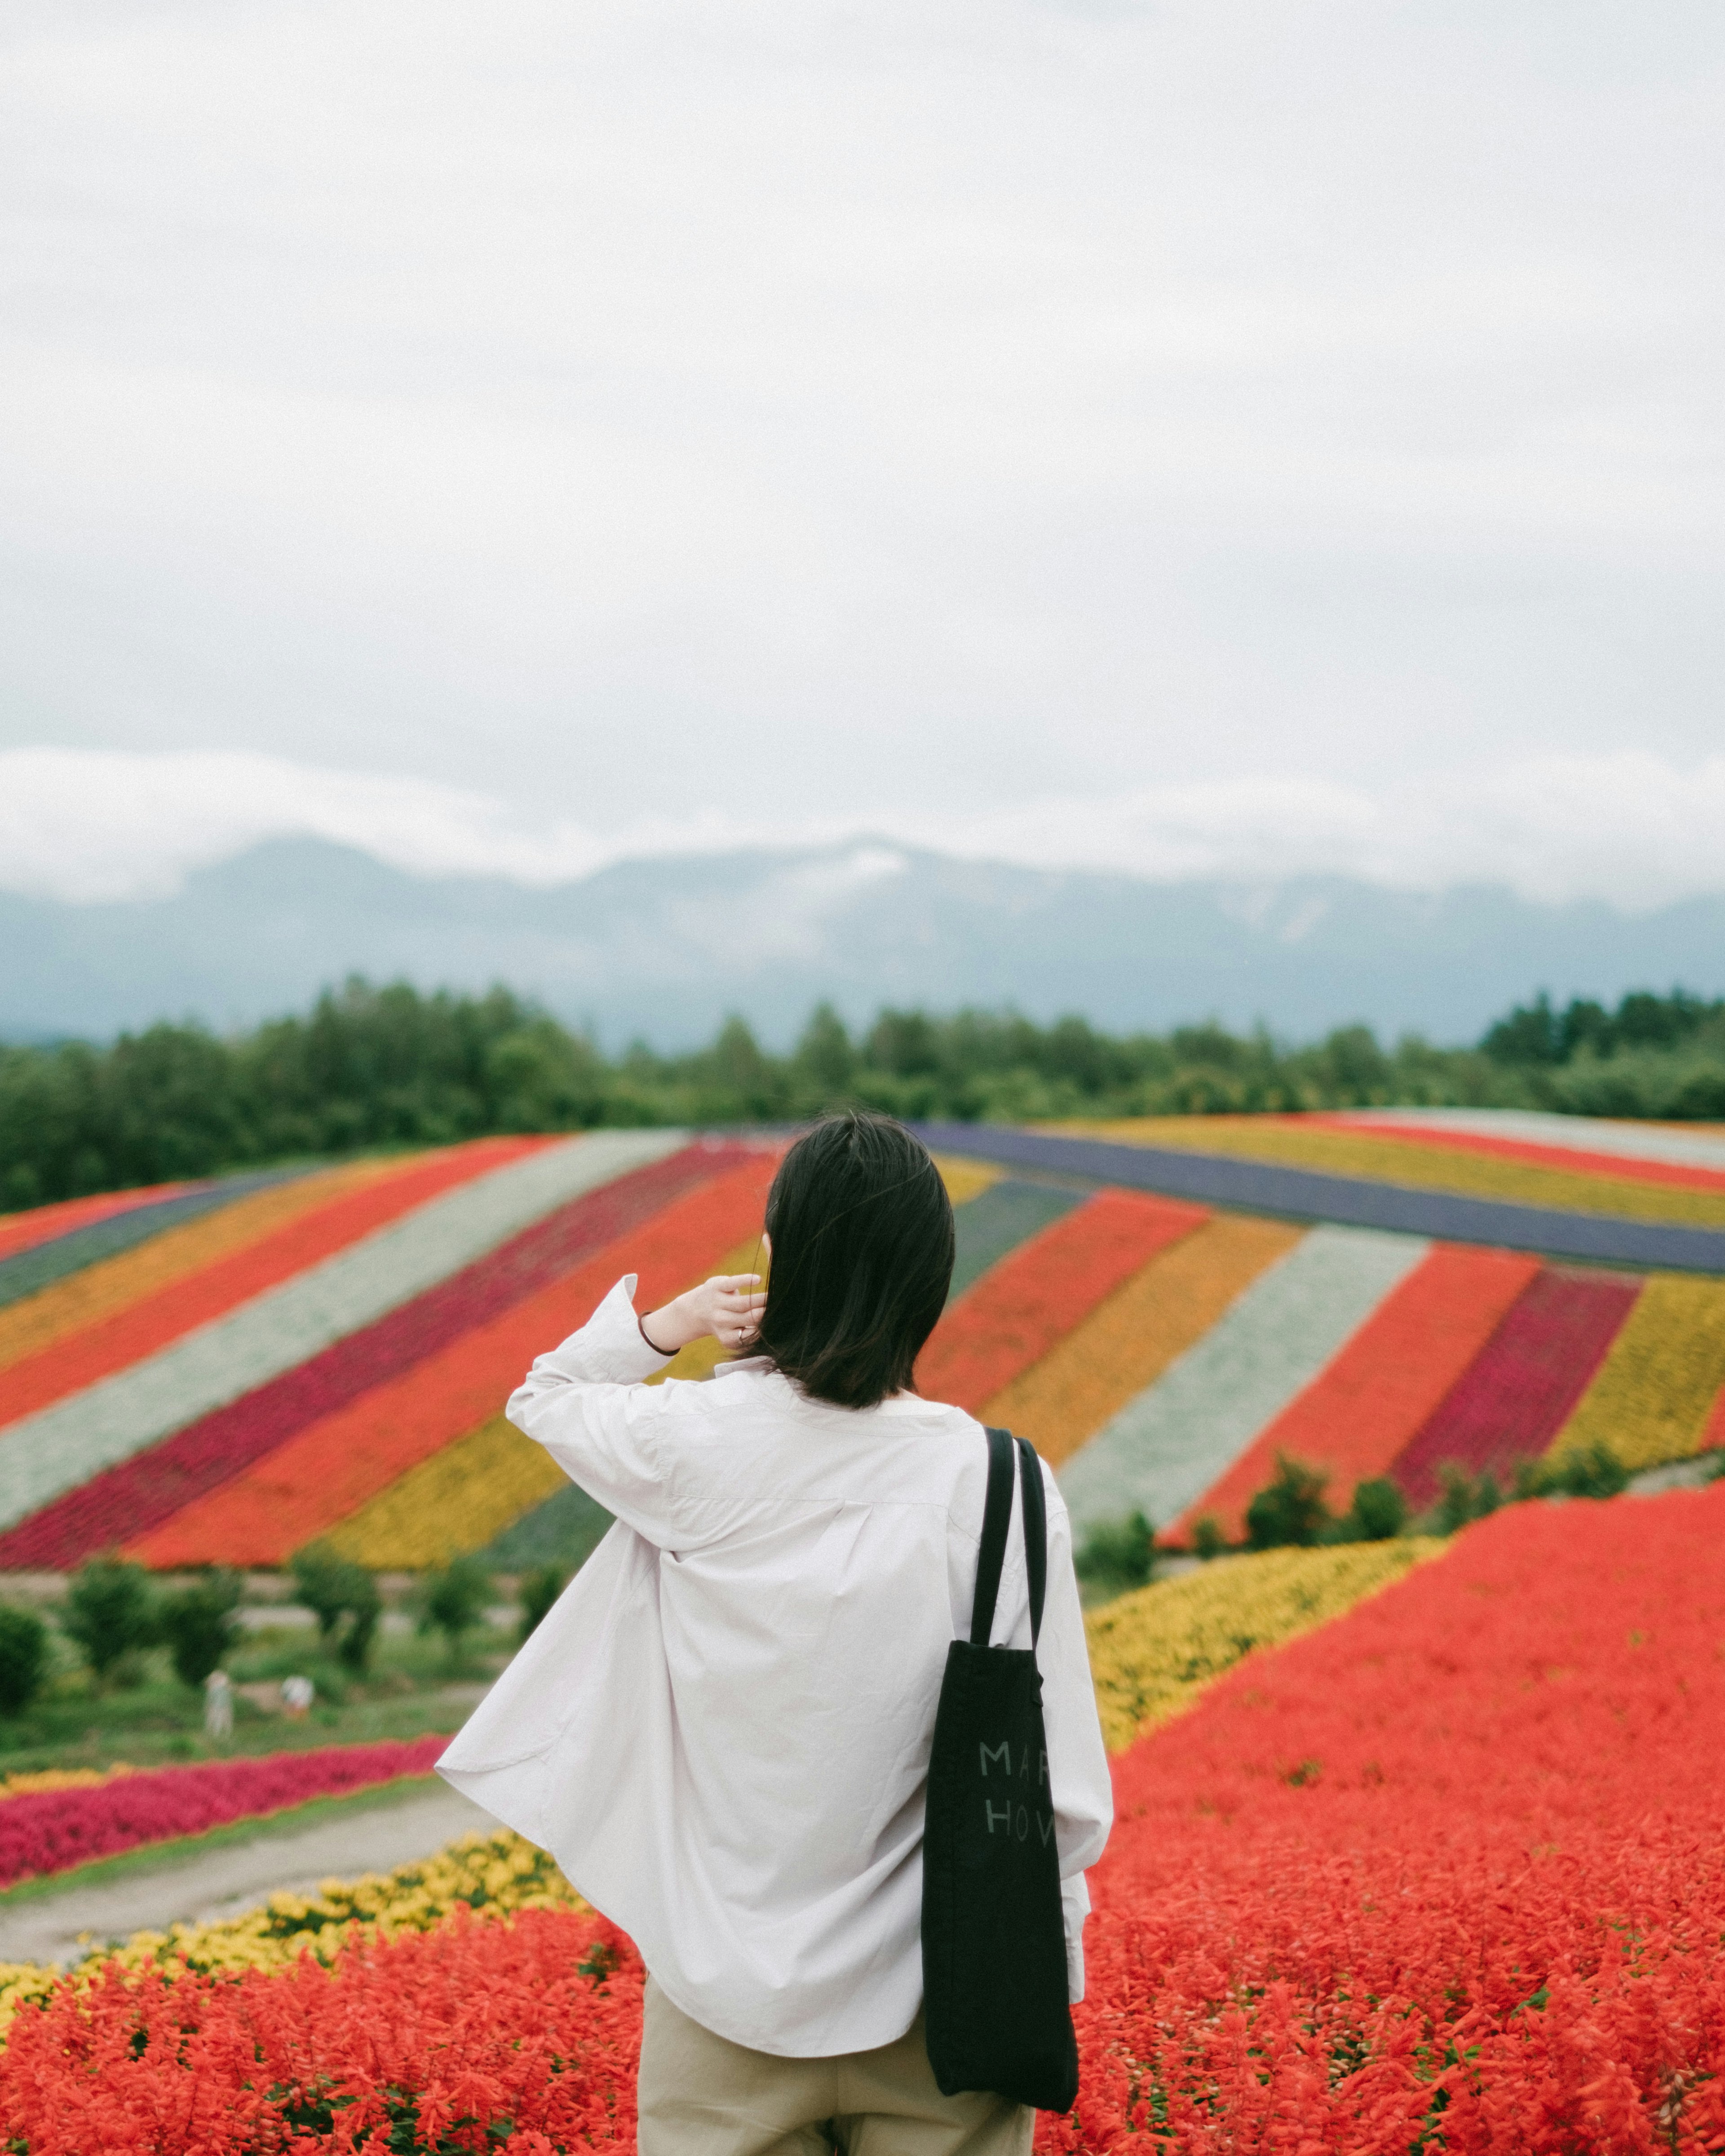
{"type": "Point", "coordinates": [666, 949]}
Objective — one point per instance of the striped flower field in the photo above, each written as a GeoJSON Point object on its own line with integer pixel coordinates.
{"type": "Point", "coordinates": [223, 1373]}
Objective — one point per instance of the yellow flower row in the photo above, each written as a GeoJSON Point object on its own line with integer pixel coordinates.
{"type": "Point", "coordinates": [1655, 1391]}
{"type": "Point", "coordinates": [495, 1874]}
{"type": "Point", "coordinates": [1153, 1652]}
{"type": "Point", "coordinates": [62, 1777]}
{"type": "Point", "coordinates": [1426, 1168]}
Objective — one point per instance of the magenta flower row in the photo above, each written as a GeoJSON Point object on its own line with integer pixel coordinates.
{"type": "Point", "coordinates": [50, 1831]}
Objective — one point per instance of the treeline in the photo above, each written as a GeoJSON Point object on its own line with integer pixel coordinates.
{"type": "Point", "coordinates": [376, 1067]}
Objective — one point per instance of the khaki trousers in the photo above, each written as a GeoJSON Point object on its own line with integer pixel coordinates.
{"type": "Point", "coordinates": [702, 2095]}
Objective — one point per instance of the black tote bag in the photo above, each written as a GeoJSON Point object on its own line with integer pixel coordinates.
{"type": "Point", "coordinates": [993, 1944]}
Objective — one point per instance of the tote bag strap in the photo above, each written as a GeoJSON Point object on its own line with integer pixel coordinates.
{"type": "Point", "coordinates": [1035, 1532]}
{"type": "Point", "coordinates": [991, 1552]}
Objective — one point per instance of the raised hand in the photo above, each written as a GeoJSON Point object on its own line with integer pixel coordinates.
{"type": "Point", "coordinates": [729, 1306]}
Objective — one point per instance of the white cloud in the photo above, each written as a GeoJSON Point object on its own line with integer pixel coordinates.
{"type": "Point", "coordinates": [824, 414]}
{"type": "Point", "coordinates": [1630, 830]}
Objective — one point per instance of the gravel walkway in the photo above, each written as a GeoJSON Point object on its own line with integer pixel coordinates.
{"type": "Point", "coordinates": [227, 1881]}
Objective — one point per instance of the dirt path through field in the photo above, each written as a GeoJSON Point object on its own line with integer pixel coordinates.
{"type": "Point", "coordinates": [226, 1881]}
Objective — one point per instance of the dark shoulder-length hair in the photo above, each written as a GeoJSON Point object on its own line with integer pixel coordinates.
{"type": "Point", "coordinates": [862, 1258]}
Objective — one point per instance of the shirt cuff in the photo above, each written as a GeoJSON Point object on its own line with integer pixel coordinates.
{"type": "Point", "coordinates": [610, 1349]}
{"type": "Point", "coordinates": [1075, 1907]}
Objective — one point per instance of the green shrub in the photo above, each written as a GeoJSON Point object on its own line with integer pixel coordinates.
{"type": "Point", "coordinates": [110, 1613]}
{"type": "Point", "coordinates": [1595, 1472]}
{"type": "Point", "coordinates": [1118, 1553]}
{"type": "Point", "coordinates": [343, 1597]}
{"type": "Point", "coordinates": [453, 1600]}
{"type": "Point", "coordinates": [540, 1590]}
{"type": "Point", "coordinates": [1207, 1539]}
{"type": "Point", "coordinates": [200, 1624]}
{"type": "Point", "coordinates": [24, 1657]}
{"type": "Point", "coordinates": [1291, 1510]}
{"type": "Point", "coordinates": [1378, 1512]}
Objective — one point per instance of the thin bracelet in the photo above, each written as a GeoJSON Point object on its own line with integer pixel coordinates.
{"type": "Point", "coordinates": [641, 1327]}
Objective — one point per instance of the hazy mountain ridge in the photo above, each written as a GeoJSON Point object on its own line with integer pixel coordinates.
{"type": "Point", "coordinates": [666, 947]}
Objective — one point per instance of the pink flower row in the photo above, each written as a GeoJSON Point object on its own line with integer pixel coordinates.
{"type": "Point", "coordinates": [50, 1831]}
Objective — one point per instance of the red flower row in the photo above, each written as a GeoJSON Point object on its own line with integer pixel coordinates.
{"type": "Point", "coordinates": [51, 1829]}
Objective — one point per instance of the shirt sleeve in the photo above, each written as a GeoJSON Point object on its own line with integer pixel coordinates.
{"type": "Point", "coordinates": [586, 1404]}
{"type": "Point", "coordinates": [1083, 1788]}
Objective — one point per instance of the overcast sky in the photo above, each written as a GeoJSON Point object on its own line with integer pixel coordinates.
{"type": "Point", "coordinates": [1185, 438]}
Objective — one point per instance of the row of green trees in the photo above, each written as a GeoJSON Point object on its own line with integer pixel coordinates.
{"type": "Point", "coordinates": [375, 1067]}
{"type": "Point", "coordinates": [114, 1614]}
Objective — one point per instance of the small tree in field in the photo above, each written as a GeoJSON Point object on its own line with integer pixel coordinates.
{"type": "Point", "coordinates": [453, 1600]}
{"type": "Point", "coordinates": [200, 1624]}
{"type": "Point", "coordinates": [24, 1657]}
{"type": "Point", "coordinates": [1291, 1510]}
{"type": "Point", "coordinates": [110, 1613]}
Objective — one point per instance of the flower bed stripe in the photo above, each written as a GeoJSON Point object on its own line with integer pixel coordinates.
{"type": "Point", "coordinates": [998, 1219]}
{"type": "Point", "coordinates": [31, 1271]}
{"type": "Point", "coordinates": [148, 1485]}
{"type": "Point", "coordinates": [50, 1831]}
{"type": "Point", "coordinates": [42, 1224]}
{"type": "Point", "coordinates": [455, 1501]}
{"type": "Point", "coordinates": [1166, 1449]}
{"type": "Point", "coordinates": [1501, 1145]}
{"type": "Point", "coordinates": [965, 1179]}
{"type": "Point", "coordinates": [1372, 1398]}
{"type": "Point", "coordinates": [88, 1326]}
{"type": "Point", "coordinates": [1652, 1398]}
{"type": "Point", "coordinates": [1154, 1652]}
{"type": "Point", "coordinates": [331, 1219]}
{"type": "Point", "coordinates": [334, 1465]}
{"type": "Point", "coordinates": [1027, 1301]}
{"type": "Point", "coordinates": [1520, 1388]}
{"type": "Point", "coordinates": [1128, 1342]}
{"type": "Point", "coordinates": [1698, 1145]}
{"type": "Point", "coordinates": [1363, 1154]}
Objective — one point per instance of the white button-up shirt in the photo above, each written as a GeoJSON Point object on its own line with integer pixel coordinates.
{"type": "Point", "coordinates": [722, 1730]}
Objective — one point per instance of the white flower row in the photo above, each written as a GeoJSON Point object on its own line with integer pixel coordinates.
{"type": "Point", "coordinates": [1164, 1450]}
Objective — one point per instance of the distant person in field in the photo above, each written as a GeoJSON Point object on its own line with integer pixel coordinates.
{"type": "Point", "coordinates": [722, 1730]}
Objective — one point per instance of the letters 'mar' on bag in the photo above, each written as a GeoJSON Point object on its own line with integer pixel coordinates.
{"type": "Point", "coordinates": [994, 1945]}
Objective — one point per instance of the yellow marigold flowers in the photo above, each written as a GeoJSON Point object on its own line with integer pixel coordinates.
{"type": "Point", "coordinates": [1650, 1401]}
{"type": "Point", "coordinates": [1153, 1651]}
{"type": "Point", "coordinates": [452, 1503]}
{"type": "Point", "coordinates": [496, 1874]}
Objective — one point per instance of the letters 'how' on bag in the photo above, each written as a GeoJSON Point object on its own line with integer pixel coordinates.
{"type": "Point", "coordinates": [993, 1944]}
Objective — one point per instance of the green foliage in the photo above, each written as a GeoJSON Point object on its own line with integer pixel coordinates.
{"type": "Point", "coordinates": [24, 1657]}
{"type": "Point", "coordinates": [452, 1601]}
{"type": "Point", "coordinates": [1378, 1513]}
{"type": "Point", "coordinates": [1207, 1539]}
{"type": "Point", "coordinates": [343, 1597]}
{"type": "Point", "coordinates": [1117, 1555]}
{"type": "Point", "coordinates": [110, 1613]}
{"type": "Point", "coordinates": [539, 1590]}
{"type": "Point", "coordinates": [200, 1624]}
{"type": "Point", "coordinates": [1290, 1509]}
{"type": "Point", "coordinates": [375, 1067]}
